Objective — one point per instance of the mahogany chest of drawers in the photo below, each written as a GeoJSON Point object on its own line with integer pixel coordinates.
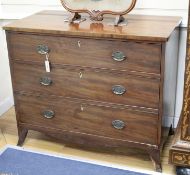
{"type": "Point", "coordinates": [107, 86]}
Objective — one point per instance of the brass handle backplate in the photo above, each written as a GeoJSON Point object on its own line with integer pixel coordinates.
{"type": "Point", "coordinates": [118, 124]}
{"type": "Point", "coordinates": [118, 56]}
{"type": "Point", "coordinates": [48, 114]}
{"type": "Point", "coordinates": [46, 81]}
{"type": "Point", "coordinates": [43, 49]}
{"type": "Point", "coordinates": [118, 89]}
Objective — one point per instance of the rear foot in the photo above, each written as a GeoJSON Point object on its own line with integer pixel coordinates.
{"type": "Point", "coordinates": [171, 131]}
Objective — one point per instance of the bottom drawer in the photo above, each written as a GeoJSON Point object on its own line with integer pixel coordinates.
{"type": "Point", "coordinates": [106, 121]}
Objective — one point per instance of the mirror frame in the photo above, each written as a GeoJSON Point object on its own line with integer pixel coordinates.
{"type": "Point", "coordinates": [96, 14]}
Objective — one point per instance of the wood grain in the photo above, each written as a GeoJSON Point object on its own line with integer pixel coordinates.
{"type": "Point", "coordinates": [140, 27]}
{"type": "Point", "coordinates": [88, 119]}
{"type": "Point", "coordinates": [87, 84]}
{"type": "Point", "coordinates": [91, 53]}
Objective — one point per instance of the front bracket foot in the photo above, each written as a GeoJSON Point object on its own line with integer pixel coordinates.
{"type": "Point", "coordinates": [22, 133]}
{"type": "Point", "coordinates": [155, 157]}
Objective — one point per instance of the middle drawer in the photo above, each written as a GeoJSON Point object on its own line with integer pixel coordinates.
{"type": "Point", "coordinates": [88, 84]}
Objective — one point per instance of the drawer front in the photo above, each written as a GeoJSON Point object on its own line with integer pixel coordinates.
{"type": "Point", "coordinates": [88, 84]}
{"type": "Point", "coordinates": [142, 57]}
{"type": "Point", "coordinates": [116, 123]}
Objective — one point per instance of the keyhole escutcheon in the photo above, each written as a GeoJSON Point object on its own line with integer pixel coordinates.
{"type": "Point", "coordinates": [79, 44]}
{"type": "Point", "coordinates": [80, 75]}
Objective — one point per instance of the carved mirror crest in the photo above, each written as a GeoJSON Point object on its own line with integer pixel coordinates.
{"type": "Point", "coordinates": [97, 8]}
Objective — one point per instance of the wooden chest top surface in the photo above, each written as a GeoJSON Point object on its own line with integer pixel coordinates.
{"type": "Point", "coordinates": [139, 27]}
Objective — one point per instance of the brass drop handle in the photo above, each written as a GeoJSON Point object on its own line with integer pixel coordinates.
{"type": "Point", "coordinates": [43, 49]}
{"type": "Point", "coordinates": [118, 124]}
{"type": "Point", "coordinates": [118, 89]}
{"type": "Point", "coordinates": [48, 114]}
{"type": "Point", "coordinates": [46, 81]}
{"type": "Point", "coordinates": [118, 56]}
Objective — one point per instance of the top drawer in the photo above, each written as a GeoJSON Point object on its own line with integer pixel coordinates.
{"type": "Point", "coordinates": [96, 53]}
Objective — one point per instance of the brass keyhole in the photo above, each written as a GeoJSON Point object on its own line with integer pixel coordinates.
{"type": "Point", "coordinates": [80, 75]}
{"type": "Point", "coordinates": [79, 44]}
{"type": "Point", "coordinates": [81, 108]}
